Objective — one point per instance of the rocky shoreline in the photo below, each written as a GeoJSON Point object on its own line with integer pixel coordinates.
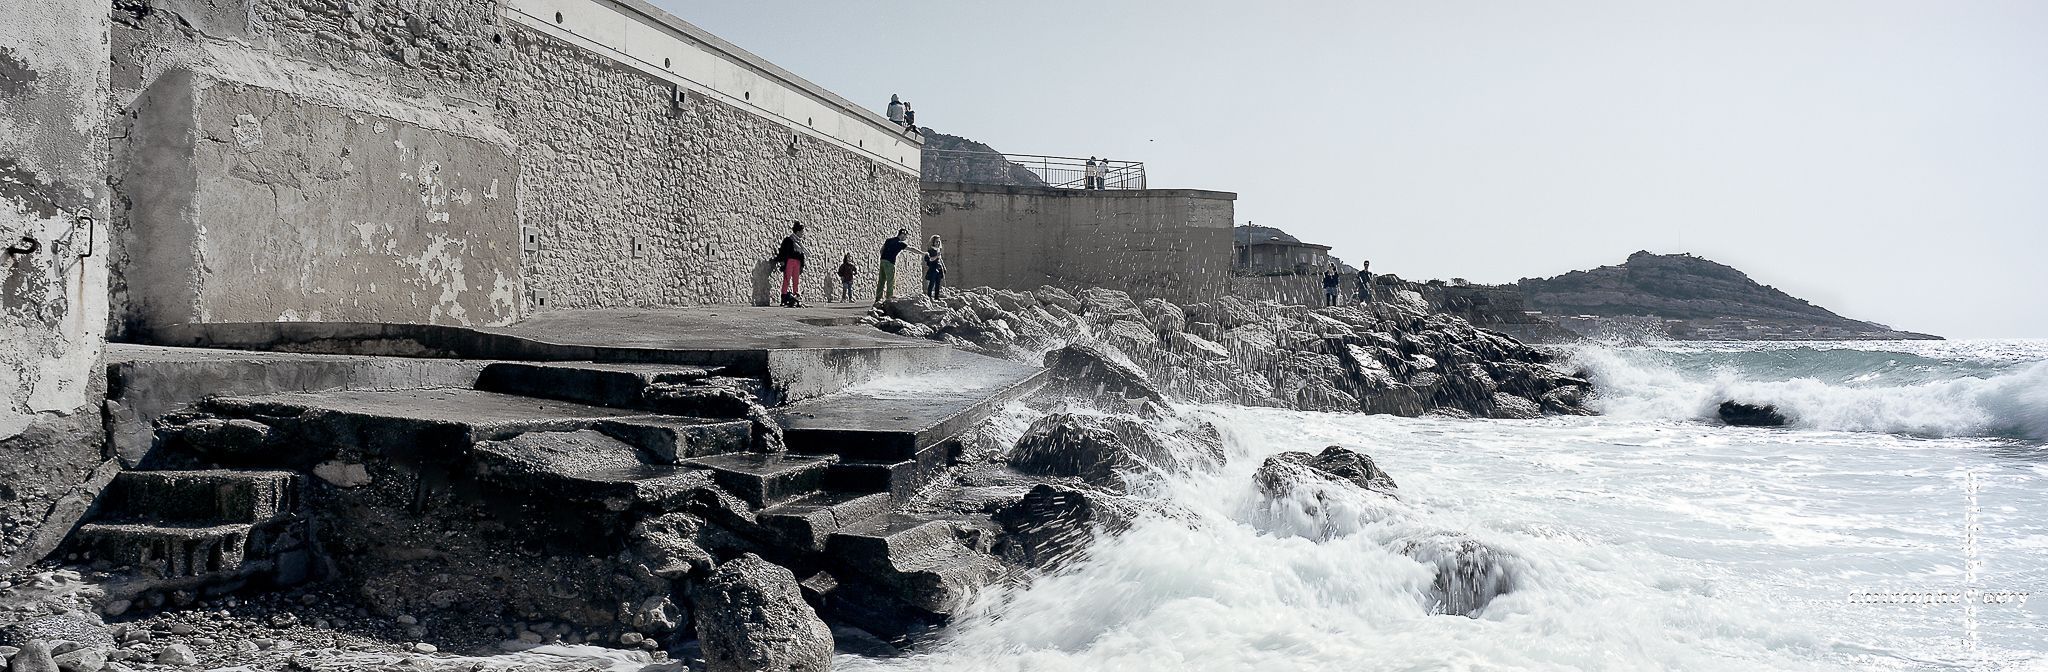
{"type": "Point", "coordinates": [712, 582]}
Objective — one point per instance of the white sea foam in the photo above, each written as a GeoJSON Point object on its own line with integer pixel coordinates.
{"type": "Point", "coordinates": [1973, 389]}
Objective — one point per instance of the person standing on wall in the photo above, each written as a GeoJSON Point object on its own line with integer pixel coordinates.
{"type": "Point", "coordinates": [885, 274]}
{"type": "Point", "coordinates": [934, 267]}
{"type": "Point", "coordinates": [896, 109]}
{"type": "Point", "coordinates": [846, 273]}
{"type": "Point", "coordinates": [1331, 280]}
{"type": "Point", "coordinates": [1365, 282]}
{"type": "Point", "coordinates": [1092, 175]}
{"type": "Point", "coordinates": [791, 258]}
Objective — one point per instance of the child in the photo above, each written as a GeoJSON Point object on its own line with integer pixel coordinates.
{"type": "Point", "coordinates": [846, 273]}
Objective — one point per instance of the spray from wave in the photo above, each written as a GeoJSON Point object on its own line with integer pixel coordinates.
{"type": "Point", "coordinates": [1929, 394]}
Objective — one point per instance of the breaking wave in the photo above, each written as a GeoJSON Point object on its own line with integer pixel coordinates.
{"type": "Point", "coordinates": [1981, 388]}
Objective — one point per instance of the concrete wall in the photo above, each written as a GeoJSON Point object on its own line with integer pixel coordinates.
{"type": "Point", "coordinates": [1173, 244]}
{"type": "Point", "coordinates": [469, 162]}
{"type": "Point", "coordinates": [53, 170]}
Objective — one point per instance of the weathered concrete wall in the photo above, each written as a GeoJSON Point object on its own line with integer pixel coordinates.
{"type": "Point", "coordinates": [639, 203]}
{"type": "Point", "coordinates": [465, 162]}
{"type": "Point", "coordinates": [53, 171]}
{"type": "Point", "coordinates": [1174, 244]}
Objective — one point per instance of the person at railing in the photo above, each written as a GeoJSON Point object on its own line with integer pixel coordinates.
{"type": "Point", "coordinates": [934, 267]}
{"type": "Point", "coordinates": [895, 109]}
{"type": "Point", "coordinates": [1092, 175]}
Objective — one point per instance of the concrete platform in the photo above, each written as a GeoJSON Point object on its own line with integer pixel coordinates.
{"type": "Point", "coordinates": [802, 352]}
{"type": "Point", "coordinates": [896, 418]}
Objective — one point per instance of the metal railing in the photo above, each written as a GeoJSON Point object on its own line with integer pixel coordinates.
{"type": "Point", "coordinates": [1058, 172]}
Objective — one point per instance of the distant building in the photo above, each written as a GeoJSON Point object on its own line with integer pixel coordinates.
{"type": "Point", "coordinates": [1264, 249]}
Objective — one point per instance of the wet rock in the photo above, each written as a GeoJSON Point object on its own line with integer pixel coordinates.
{"type": "Point", "coordinates": [1469, 573]}
{"type": "Point", "coordinates": [715, 401]}
{"type": "Point", "coordinates": [1089, 370]}
{"type": "Point", "coordinates": [177, 655]}
{"type": "Point", "coordinates": [343, 474]}
{"type": "Point", "coordinates": [1099, 449]}
{"type": "Point", "coordinates": [1510, 407]}
{"type": "Point", "coordinates": [225, 440]}
{"type": "Point", "coordinates": [1281, 473]}
{"type": "Point", "coordinates": [1750, 415]}
{"type": "Point", "coordinates": [1052, 525]}
{"type": "Point", "coordinates": [751, 616]}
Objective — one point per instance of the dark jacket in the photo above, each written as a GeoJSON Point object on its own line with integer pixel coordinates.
{"type": "Point", "coordinates": [1332, 280]}
{"type": "Point", "coordinates": [934, 262]}
{"type": "Point", "coordinates": [846, 271]}
{"type": "Point", "coordinates": [791, 249]}
{"type": "Point", "coordinates": [891, 247]}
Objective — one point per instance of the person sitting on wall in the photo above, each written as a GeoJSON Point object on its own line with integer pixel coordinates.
{"type": "Point", "coordinates": [895, 109]}
{"type": "Point", "coordinates": [1364, 282]}
{"type": "Point", "coordinates": [885, 273]}
{"type": "Point", "coordinates": [909, 117]}
{"type": "Point", "coordinates": [934, 267]}
{"type": "Point", "coordinates": [1331, 280]}
{"type": "Point", "coordinates": [846, 273]}
{"type": "Point", "coordinates": [791, 258]}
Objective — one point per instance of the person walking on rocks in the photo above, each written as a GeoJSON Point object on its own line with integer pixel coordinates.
{"type": "Point", "coordinates": [846, 273]}
{"type": "Point", "coordinates": [934, 267]}
{"type": "Point", "coordinates": [1365, 282]}
{"type": "Point", "coordinates": [885, 273]}
{"type": "Point", "coordinates": [791, 258]}
{"type": "Point", "coordinates": [895, 109]}
{"type": "Point", "coordinates": [1331, 281]}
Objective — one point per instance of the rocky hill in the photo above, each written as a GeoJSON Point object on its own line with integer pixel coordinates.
{"type": "Point", "coordinates": [951, 158]}
{"type": "Point", "coordinates": [1696, 299]}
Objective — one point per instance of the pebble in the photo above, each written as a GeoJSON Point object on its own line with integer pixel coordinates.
{"type": "Point", "coordinates": [183, 629]}
{"type": "Point", "coordinates": [178, 655]}
{"type": "Point", "coordinates": [204, 641]}
{"type": "Point", "coordinates": [407, 619]}
{"type": "Point", "coordinates": [424, 647]}
{"type": "Point", "coordinates": [116, 607]}
{"type": "Point", "coordinates": [631, 638]}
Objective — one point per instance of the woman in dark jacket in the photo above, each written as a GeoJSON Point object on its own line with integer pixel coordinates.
{"type": "Point", "coordinates": [791, 258]}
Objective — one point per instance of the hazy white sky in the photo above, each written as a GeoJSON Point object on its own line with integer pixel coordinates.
{"type": "Point", "coordinates": [1887, 159]}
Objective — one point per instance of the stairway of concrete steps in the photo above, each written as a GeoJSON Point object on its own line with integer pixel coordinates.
{"type": "Point", "coordinates": [199, 533]}
{"type": "Point", "coordinates": [857, 445]}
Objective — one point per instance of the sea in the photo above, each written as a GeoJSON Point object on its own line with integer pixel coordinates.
{"type": "Point", "coordinates": [1898, 522]}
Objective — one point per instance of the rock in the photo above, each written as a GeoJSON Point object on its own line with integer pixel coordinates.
{"type": "Point", "coordinates": [751, 616]}
{"type": "Point", "coordinates": [1750, 415]}
{"type": "Point", "coordinates": [177, 655]}
{"type": "Point", "coordinates": [855, 641]}
{"type": "Point", "coordinates": [342, 474]}
{"type": "Point", "coordinates": [668, 545]}
{"type": "Point", "coordinates": [1089, 370]}
{"type": "Point", "coordinates": [1469, 573]}
{"type": "Point", "coordinates": [34, 656]}
{"type": "Point", "coordinates": [226, 440]}
{"type": "Point", "coordinates": [1510, 407]}
{"type": "Point", "coordinates": [1052, 525]}
{"type": "Point", "coordinates": [654, 614]}
{"type": "Point", "coordinates": [1099, 449]}
{"type": "Point", "coordinates": [424, 647]}
{"type": "Point", "coordinates": [82, 659]}
{"type": "Point", "coordinates": [1280, 473]}
{"type": "Point", "coordinates": [1163, 317]}
{"type": "Point", "coordinates": [1200, 347]}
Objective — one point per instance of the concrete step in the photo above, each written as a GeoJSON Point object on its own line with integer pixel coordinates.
{"type": "Point", "coordinates": [595, 383]}
{"type": "Point", "coordinates": [900, 479]}
{"type": "Point", "coordinates": [585, 466]}
{"type": "Point", "coordinates": [195, 550]}
{"type": "Point", "coordinates": [920, 562]}
{"type": "Point", "coordinates": [766, 480]}
{"type": "Point", "coordinates": [808, 522]}
{"type": "Point", "coordinates": [896, 418]}
{"type": "Point", "coordinates": [216, 496]}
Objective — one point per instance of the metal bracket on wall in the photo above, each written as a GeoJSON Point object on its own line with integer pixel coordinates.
{"type": "Point", "coordinates": [83, 222]}
{"type": "Point", "coordinates": [26, 246]}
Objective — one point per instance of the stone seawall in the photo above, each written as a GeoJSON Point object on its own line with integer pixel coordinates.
{"type": "Point", "coordinates": [445, 163]}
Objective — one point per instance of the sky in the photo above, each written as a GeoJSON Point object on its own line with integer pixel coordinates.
{"type": "Point", "coordinates": [1886, 159]}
